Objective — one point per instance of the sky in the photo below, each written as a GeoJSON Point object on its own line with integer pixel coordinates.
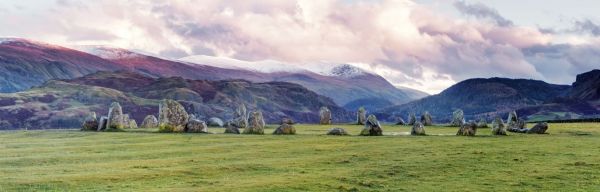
{"type": "Point", "coordinates": [427, 45]}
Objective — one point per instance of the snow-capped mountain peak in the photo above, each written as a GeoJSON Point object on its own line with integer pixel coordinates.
{"type": "Point", "coordinates": [111, 53]}
{"type": "Point", "coordinates": [346, 70]}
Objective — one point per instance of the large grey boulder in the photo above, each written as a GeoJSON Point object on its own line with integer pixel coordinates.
{"type": "Point", "coordinates": [240, 119]}
{"type": "Point", "coordinates": [426, 119]}
{"type": "Point", "coordinates": [498, 127]}
{"type": "Point", "coordinates": [115, 117]}
{"type": "Point", "coordinates": [412, 118]}
{"type": "Point", "coordinates": [467, 129]}
{"type": "Point", "coordinates": [361, 116]}
{"type": "Point", "coordinates": [372, 127]}
{"type": "Point", "coordinates": [418, 129]}
{"type": "Point", "coordinates": [215, 122]}
{"type": "Point", "coordinates": [126, 120]}
{"type": "Point", "coordinates": [285, 129]}
{"type": "Point", "coordinates": [539, 128]}
{"type": "Point", "coordinates": [256, 124]}
{"type": "Point", "coordinates": [172, 117]}
{"type": "Point", "coordinates": [90, 123]}
{"type": "Point", "coordinates": [458, 118]}
{"type": "Point", "coordinates": [150, 121]}
{"type": "Point", "coordinates": [196, 126]}
{"type": "Point", "coordinates": [512, 120]}
{"type": "Point", "coordinates": [231, 129]}
{"type": "Point", "coordinates": [102, 123]}
{"type": "Point", "coordinates": [337, 131]}
{"type": "Point", "coordinates": [324, 116]}
{"type": "Point", "coordinates": [399, 121]}
{"type": "Point", "coordinates": [133, 124]}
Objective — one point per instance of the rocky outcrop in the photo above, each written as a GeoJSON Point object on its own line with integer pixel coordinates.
{"type": "Point", "coordinates": [372, 127]}
{"type": "Point", "coordinates": [467, 129]}
{"type": "Point", "coordinates": [498, 127]}
{"type": "Point", "coordinates": [215, 122]}
{"type": "Point", "coordinates": [412, 118]}
{"type": "Point", "coordinates": [361, 116]}
{"type": "Point", "coordinates": [285, 129]}
{"type": "Point", "coordinates": [256, 124]}
{"type": "Point", "coordinates": [150, 121]}
{"type": "Point", "coordinates": [458, 118]}
{"type": "Point", "coordinates": [426, 119]}
{"type": "Point", "coordinates": [196, 126]}
{"type": "Point", "coordinates": [172, 117]}
{"type": "Point", "coordinates": [337, 131]}
{"type": "Point", "coordinates": [417, 129]}
{"type": "Point", "coordinates": [115, 117]}
{"type": "Point", "coordinates": [325, 116]}
{"type": "Point", "coordinates": [102, 123]}
{"type": "Point", "coordinates": [90, 123]}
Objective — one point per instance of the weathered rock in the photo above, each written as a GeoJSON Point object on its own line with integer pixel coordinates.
{"type": "Point", "coordinates": [257, 124]}
{"type": "Point", "coordinates": [102, 123]}
{"type": "Point", "coordinates": [90, 123]}
{"type": "Point", "coordinates": [361, 116]}
{"type": "Point", "coordinates": [172, 116]}
{"type": "Point", "coordinates": [412, 119]}
{"type": "Point", "coordinates": [115, 117]}
{"type": "Point", "coordinates": [498, 127]}
{"type": "Point", "coordinates": [426, 119]}
{"type": "Point", "coordinates": [285, 129]}
{"type": "Point", "coordinates": [196, 126]}
{"type": "Point", "coordinates": [133, 124]}
{"type": "Point", "coordinates": [458, 118]}
{"type": "Point", "coordinates": [482, 123]}
{"type": "Point", "coordinates": [467, 129]}
{"type": "Point", "coordinates": [539, 128]}
{"type": "Point", "coordinates": [215, 122]}
{"type": "Point", "coordinates": [240, 119]}
{"type": "Point", "coordinates": [337, 131]}
{"type": "Point", "coordinates": [126, 121]}
{"type": "Point", "coordinates": [417, 129]}
{"type": "Point", "coordinates": [399, 121]}
{"type": "Point", "coordinates": [150, 121]}
{"type": "Point", "coordinates": [287, 121]}
{"type": "Point", "coordinates": [372, 127]}
{"type": "Point", "coordinates": [325, 116]}
{"type": "Point", "coordinates": [231, 129]}
{"type": "Point", "coordinates": [512, 120]}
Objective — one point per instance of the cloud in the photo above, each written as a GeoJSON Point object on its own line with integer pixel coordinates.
{"type": "Point", "coordinates": [482, 11]}
{"type": "Point", "coordinates": [587, 26]}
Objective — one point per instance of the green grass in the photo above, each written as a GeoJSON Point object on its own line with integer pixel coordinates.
{"type": "Point", "coordinates": [567, 159]}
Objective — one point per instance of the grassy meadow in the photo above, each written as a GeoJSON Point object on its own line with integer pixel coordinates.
{"type": "Point", "coordinates": [567, 159]}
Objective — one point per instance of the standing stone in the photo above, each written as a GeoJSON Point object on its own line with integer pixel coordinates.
{"type": "Point", "coordinates": [231, 129]}
{"type": "Point", "coordinates": [372, 127]}
{"type": "Point", "coordinates": [482, 123]}
{"type": "Point", "coordinates": [458, 118]}
{"type": "Point", "coordinates": [418, 129]}
{"type": "Point", "coordinates": [285, 129]}
{"type": "Point", "coordinates": [90, 123]}
{"type": "Point", "coordinates": [467, 129]}
{"type": "Point", "coordinates": [215, 122]}
{"type": "Point", "coordinates": [240, 119]}
{"type": "Point", "coordinates": [539, 128]}
{"type": "Point", "coordinates": [150, 121]}
{"type": "Point", "coordinates": [257, 124]}
{"type": "Point", "coordinates": [115, 117]}
{"type": "Point", "coordinates": [133, 124]}
{"type": "Point", "coordinates": [399, 121]}
{"type": "Point", "coordinates": [325, 116]}
{"type": "Point", "coordinates": [102, 123]}
{"type": "Point", "coordinates": [512, 120]}
{"type": "Point", "coordinates": [412, 118]}
{"type": "Point", "coordinates": [126, 121]}
{"type": "Point", "coordinates": [361, 116]}
{"type": "Point", "coordinates": [196, 126]}
{"type": "Point", "coordinates": [498, 127]}
{"type": "Point", "coordinates": [172, 117]}
{"type": "Point", "coordinates": [287, 121]}
{"type": "Point", "coordinates": [426, 119]}
{"type": "Point", "coordinates": [337, 131]}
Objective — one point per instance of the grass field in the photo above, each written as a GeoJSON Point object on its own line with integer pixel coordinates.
{"type": "Point", "coordinates": [567, 159]}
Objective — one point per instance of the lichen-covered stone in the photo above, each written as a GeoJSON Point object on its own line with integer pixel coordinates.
{"type": "Point", "coordinates": [150, 121]}
{"type": "Point", "coordinates": [467, 129]}
{"type": "Point", "coordinates": [215, 122]}
{"type": "Point", "coordinates": [115, 117]}
{"type": "Point", "coordinates": [498, 127]}
{"type": "Point", "coordinates": [196, 126]}
{"type": "Point", "coordinates": [412, 118]}
{"type": "Point", "coordinates": [285, 129]}
{"type": "Point", "coordinates": [324, 116]}
{"type": "Point", "coordinates": [172, 116]}
{"type": "Point", "coordinates": [240, 119]}
{"type": "Point", "coordinates": [256, 124]}
{"type": "Point", "coordinates": [418, 129]}
{"type": "Point", "coordinates": [133, 124]}
{"type": "Point", "coordinates": [337, 131]}
{"type": "Point", "coordinates": [361, 116]}
{"type": "Point", "coordinates": [458, 118]}
{"type": "Point", "coordinates": [426, 119]}
{"type": "Point", "coordinates": [126, 121]}
{"type": "Point", "coordinates": [90, 123]}
{"type": "Point", "coordinates": [372, 127]}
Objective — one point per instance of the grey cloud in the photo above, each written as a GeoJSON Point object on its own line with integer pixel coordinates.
{"type": "Point", "coordinates": [560, 63]}
{"type": "Point", "coordinates": [587, 26]}
{"type": "Point", "coordinates": [482, 11]}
